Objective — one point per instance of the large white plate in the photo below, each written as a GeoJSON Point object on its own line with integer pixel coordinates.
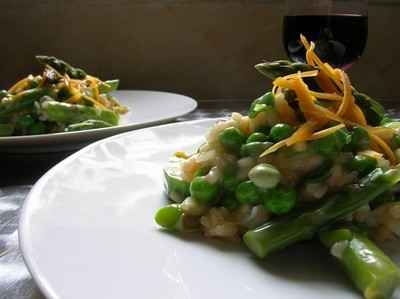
{"type": "Point", "coordinates": [87, 231]}
{"type": "Point", "coordinates": [146, 108]}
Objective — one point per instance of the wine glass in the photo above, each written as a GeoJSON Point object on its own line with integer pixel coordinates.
{"type": "Point", "coordinates": [339, 29]}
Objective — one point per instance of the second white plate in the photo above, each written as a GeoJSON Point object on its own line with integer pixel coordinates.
{"type": "Point", "coordinates": [87, 231]}
{"type": "Point", "coordinates": [146, 108]}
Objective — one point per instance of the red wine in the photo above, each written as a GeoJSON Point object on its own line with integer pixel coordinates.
{"type": "Point", "coordinates": [339, 39]}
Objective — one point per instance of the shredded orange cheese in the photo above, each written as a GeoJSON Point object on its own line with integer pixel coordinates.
{"type": "Point", "coordinates": [383, 145]}
{"type": "Point", "coordinates": [326, 96]}
{"type": "Point", "coordinates": [302, 133]}
{"type": "Point", "coordinates": [342, 107]}
{"type": "Point", "coordinates": [326, 132]}
{"type": "Point", "coordinates": [348, 99]}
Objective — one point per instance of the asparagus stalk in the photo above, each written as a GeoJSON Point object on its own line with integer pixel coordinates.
{"type": "Point", "coordinates": [276, 235]}
{"type": "Point", "coordinates": [372, 272]}
{"type": "Point", "coordinates": [21, 101]}
{"type": "Point", "coordinates": [73, 113]}
{"type": "Point", "coordinates": [62, 67]}
{"type": "Point", "coordinates": [88, 125]}
{"type": "Point", "coordinates": [281, 68]}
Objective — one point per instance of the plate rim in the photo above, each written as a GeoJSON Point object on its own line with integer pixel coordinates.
{"type": "Point", "coordinates": [22, 221]}
{"type": "Point", "coordinates": [122, 128]}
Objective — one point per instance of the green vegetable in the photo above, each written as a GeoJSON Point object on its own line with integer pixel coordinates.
{"type": "Point", "coordinates": [281, 68]}
{"type": "Point", "coordinates": [372, 272]}
{"type": "Point", "coordinates": [363, 164]}
{"type": "Point", "coordinates": [70, 113]}
{"type": "Point", "coordinates": [62, 67]}
{"type": "Point", "coordinates": [231, 139]}
{"type": "Point", "coordinates": [25, 121]}
{"type": "Point", "coordinates": [108, 86]}
{"type": "Point", "coordinates": [332, 143]}
{"type": "Point", "coordinates": [359, 139]}
{"type": "Point", "coordinates": [4, 93]}
{"type": "Point", "coordinates": [382, 199]}
{"type": "Point", "coordinates": [87, 125]}
{"type": "Point", "coordinates": [280, 200]}
{"type": "Point", "coordinates": [254, 149]}
{"type": "Point", "coordinates": [257, 137]}
{"type": "Point", "coordinates": [176, 188]}
{"type": "Point", "coordinates": [37, 128]}
{"type": "Point", "coordinates": [396, 140]}
{"type": "Point", "coordinates": [6, 130]}
{"type": "Point", "coordinates": [168, 216]}
{"type": "Point", "coordinates": [23, 100]}
{"type": "Point", "coordinates": [373, 111]}
{"type": "Point", "coordinates": [265, 176]}
{"type": "Point", "coordinates": [280, 132]}
{"type": "Point", "coordinates": [262, 103]}
{"type": "Point", "coordinates": [203, 191]}
{"type": "Point", "coordinates": [276, 235]}
{"type": "Point", "coordinates": [247, 193]}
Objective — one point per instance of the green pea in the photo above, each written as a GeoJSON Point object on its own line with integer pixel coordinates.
{"type": "Point", "coordinates": [257, 137]}
{"type": "Point", "coordinates": [247, 193]}
{"type": "Point", "coordinates": [37, 128]}
{"type": "Point", "coordinates": [24, 122]}
{"type": "Point", "coordinates": [332, 143]}
{"type": "Point", "coordinates": [280, 200]}
{"type": "Point", "coordinates": [232, 139]}
{"type": "Point", "coordinates": [202, 190]}
{"type": "Point", "coordinates": [254, 149]}
{"type": "Point", "coordinates": [261, 104]}
{"type": "Point", "coordinates": [280, 132]}
{"type": "Point", "coordinates": [359, 138]}
{"type": "Point", "coordinates": [168, 216]}
{"type": "Point", "coordinates": [268, 99]}
{"type": "Point", "coordinates": [265, 176]}
{"type": "Point", "coordinates": [363, 164]}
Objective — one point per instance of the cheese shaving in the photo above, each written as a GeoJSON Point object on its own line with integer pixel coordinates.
{"type": "Point", "coordinates": [326, 132]}
{"type": "Point", "coordinates": [385, 148]}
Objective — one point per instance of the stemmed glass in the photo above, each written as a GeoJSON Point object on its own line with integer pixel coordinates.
{"type": "Point", "coordinates": [339, 29]}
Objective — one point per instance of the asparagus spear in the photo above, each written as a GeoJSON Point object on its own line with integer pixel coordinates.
{"type": "Point", "coordinates": [87, 125]}
{"type": "Point", "coordinates": [281, 68]}
{"type": "Point", "coordinates": [108, 86]}
{"type": "Point", "coordinates": [372, 272]}
{"type": "Point", "coordinates": [62, 67]}
{"type": "Point", "coordinates": [71, 113]}
{"type": "Point", "coordinates": [279, 234]}
{"type": "Point", "coordinates": [21, 101]}
{"type": "Point", "coordinates": [176, 188]}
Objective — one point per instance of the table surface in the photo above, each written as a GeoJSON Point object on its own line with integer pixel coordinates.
{"type": "Point", "coordinates": [19, 173]}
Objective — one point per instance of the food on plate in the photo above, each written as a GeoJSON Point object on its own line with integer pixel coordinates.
{"type": "Point", "coordinates": [313, 159]}
{"type": "Point", "coordinates": [62, 99]}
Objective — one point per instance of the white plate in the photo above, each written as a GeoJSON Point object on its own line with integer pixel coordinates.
{"type": "Point", "coordinates": [146, 108]}
{"type": "Point", "coordinates": [87, 231]}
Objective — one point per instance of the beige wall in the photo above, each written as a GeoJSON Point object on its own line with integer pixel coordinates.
{"type": "Point", "coordinates": [206, 49]}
